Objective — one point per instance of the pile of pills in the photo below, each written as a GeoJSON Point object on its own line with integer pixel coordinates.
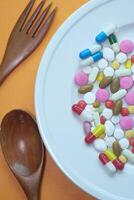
{"type": "Point", "coordinates": [105, 83]}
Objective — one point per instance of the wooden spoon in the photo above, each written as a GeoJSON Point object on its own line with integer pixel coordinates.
{"type": "Point", "coordinates": [23, 150]}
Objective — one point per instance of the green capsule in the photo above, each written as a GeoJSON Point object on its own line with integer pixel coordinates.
{"type": "Point", "coordinates": [99, 110]}
{"type": "Point", "coordinates": [112, 39]}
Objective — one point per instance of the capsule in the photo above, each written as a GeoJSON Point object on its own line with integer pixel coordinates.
{"type": "Point", "coordinates": [114, 43]}
{"type": "Point", "coordinates": [102, 36]}
{"type": "Point", "coordinates": [116, 162]}
{"type": "Point", "coordinates": [108, 164]}
{"type": "Point", "coordinates": [129, 155]}
{"type": "Point", "coordinates": [89, 52]}
{"type": "Point", "coordinates": [94, 58]}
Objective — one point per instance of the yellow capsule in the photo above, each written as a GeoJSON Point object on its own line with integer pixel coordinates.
{"type": "Point", "coordinates": [100, 76]}
{"type": "Point", "coordinates": [123, 159]}
{"type": "Point", "coordinates": [128, 64]}
{"type": "Point", "coordinates": [129, 134]}
{"type": "Point", "coordinates": [131, 109]}
{"type": "Point", "coordinates": [115, 64]}
{"type": "Point", "coordinates": [96, 104]}
{"type": "Point", "coordinates": [99, 130]}
{"type": "Point", "coordinates": [110, 154]}
{"type": "Point", "coordinates": [103, 136]}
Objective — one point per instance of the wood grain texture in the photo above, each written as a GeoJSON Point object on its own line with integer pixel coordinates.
{"type": "Point", "coordinates": [18, 92]}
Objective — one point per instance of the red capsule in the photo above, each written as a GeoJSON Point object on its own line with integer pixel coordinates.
{"type": "Point", "coordinates": [109, 104]}
{"type": "Point", "coordinates": [82, 104]}
{"type": "Point", "coordinates": [132, 149]}
{"type": "Point", "coordinates": [102, 119]}
{"type": "Point", "coordinates": [103, 158]}
{"type": "Point", "coordinates": [131, 141]}
{"type": "Point", "coordinates": [76, 109]}
{"type": "Point", "coordinates": [118, 164]}
{"type": "Point", "coordinates": [124, 112]}
{"type": "Point", "coordinates": [90, 138]}
{"type": "Point", "coordinates": [132, 58]}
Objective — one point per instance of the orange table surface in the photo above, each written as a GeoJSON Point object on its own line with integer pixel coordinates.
{"type": "Point", "coordinates": [18, 92]}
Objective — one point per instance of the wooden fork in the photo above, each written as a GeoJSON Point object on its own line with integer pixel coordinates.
{"type": "Point", "coordinates": [25, 37]}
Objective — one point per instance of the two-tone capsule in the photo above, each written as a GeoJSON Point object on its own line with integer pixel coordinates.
{"type": "Point", "coordinates": [113, 158]}
{"type": "Point", "coordinates": [114, 43]}
{"type": "Point", "coordinates": [96, 133]}
{"type": "Point", "coordinates": [92, 59]}
{"type": "Point", "coordinates": [89, 52]}
{"type": "Point", "coordinates": [102, 36]}
{"type": "Point", "coordinates": [107, 163]}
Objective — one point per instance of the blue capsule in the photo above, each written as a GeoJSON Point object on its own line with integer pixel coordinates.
{"type": "Point", "coordinates": [97, 56]}
{"type": "Point", "coordinates": [85, 54]}
{"type": "Point", "coordinates": [101, 37]}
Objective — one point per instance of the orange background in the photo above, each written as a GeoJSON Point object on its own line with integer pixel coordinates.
{"type": "Point", "coordinates": [18, 92]}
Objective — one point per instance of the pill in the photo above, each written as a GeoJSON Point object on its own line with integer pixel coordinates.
{"type": "Point", "coordinates": [121, 57]}
{"type": "Point", "coordinates": [81, 78]}
{"type": "Point", "coordinates": [129, 134]}
{"type": "Point", "coordinates": [105, 82]}
{"type": "Point", "coordinates": [107, 113]}
{"type": "Point", "coordinates": [100, 145]}
{"type": "Point", "coordinates": [107, 163]}
{"type": "Point", "coordinates": [116, 162]}
{"type": "Point", "coordinates": [102, 119]}
{"type": "Point", "coordinates": [102, 63]}
{"type": "Point", "coordinates": [126, 123]}
{"type": "Point", "coordinates": [100, 76]}
{"type": "Point", "coordinates": [102, 36]}
{"type": "Point", "coordinates": [108, 71]}
{"type": "Point", "coordinates": [126, 82]}
{"type": "Point", "coordinates": [96, 118]}
{"type": "Point", "coordinates": [82, 104]}
{"type": "Point", "coordinates": [117, 107]}
{"type": "Point", "coordinates": [99, 110]}
{"type": "Point", "coordinates": [86, 88]}
{"type": "Point", "coordinates": [131, 141]}
{"type": "Point", "coordinates": [96, 104]}
{"type": "Point", "coordinates": [109, 141]}
{"type": "Point", "coordinates": [93, 74]}
{"type": "Point", "coordinates": [99, 130]}
{"type": "Point", "coordinates": [118, 133]}
{"type": "Point", "coordinates": [118, 95]}
{"type": "Point", "coordinates": [116, 148]}
{"type": "Point", "coordinates": [124, 143]}
{"type": "Point", "coordinates": [115, 85]}
{"type": "Point", "coordinates": [122, 158]}
{"type": "Point", "coordinates": [123, 72]}
{"type": "Point", "coordinates": [89, 52]}
{"type": "Point", "coordinates": [115, 119]}
{"type": "Point", "coordinates": [131, 109]}
{"type": "Point", "coordinates": [87, 69]}
{"type": "Point", "coordinates": [109, 128]}
{"type": "Point", "coordinates": [89, 97]}
{"type": "Point", "coordinates": [115, 64]}
{"type": "Point", "coordinates": [114, 43]}
{"type": "Point", "coordinates": [132, 58]}
{"type": "Point", "coordinates": [89, 138]}
{"type": "Point", "coordinates": [128, 64]}
{"type": "Point", "coordinates": [108, 54]}
{"type": "Point", "coordinates": [132, 68]}
{"type": "Point", "coordinates": [129, 155]}
{"type": "Point", "coordinates": [126, 46]}
{"type": "Point", "coordinates": [124, 112]}
{"type": "Point", "coordinates": [109, 104]}
{"type": "Point", "coordinates": [102, 95]}
{"type": "Point", "coordinates": [94, 58]}
{"type": "Point", "coordinates": [129, 98]}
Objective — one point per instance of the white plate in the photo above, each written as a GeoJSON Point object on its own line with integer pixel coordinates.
{"type": "Point", "coordinates": [55, 93]}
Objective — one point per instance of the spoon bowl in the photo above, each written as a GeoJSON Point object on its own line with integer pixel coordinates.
{"type": "Point", "coordinates": [23, 150]}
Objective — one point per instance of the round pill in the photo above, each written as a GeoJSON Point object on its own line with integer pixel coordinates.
{"type": "Point", "coordinates": [126, 82]}
{"type": "Point", "coordinates": [108, 54]}
{"type": "Point", "coordinates": [132, 58]}
{"type": "Point", "coordinates": [121, 57]}
{"type": "Point", "coordinates": [118, 133]}
{"type": "Point", "coordinates": [115, 119]}
{"type": "Point", "coordinates": [102, 95]}
{"type": "Point", "coordinates": [81, 78]}
{"type": "Point", "coordinates": [124, 143]}
{"type": "Point", "coordinates": [107, 113]}
{"type": "Point", "coordinates": [100, 145]}
{"type": "Point", "coordinates": [109, 128]}
{"type": "Point", "coordinates": [102, 64]}
{"type": "Point", "coordinates": [115, 64]}
{"type": "Point", "coordinates": [109, 104]}
{"type": "Point", "coordinates": [109, 141]}
{"type": "Point", "coordinates": [129, 98]}
{"type": "Point", "coordinates": [108, 71]}
{"type": "Point", "coordinates": [126, 46]}
{"type": "Point", "coordinates": [89, 97]}
{"type": "Point", "coordinates": [124, 112]}
{"type": "Point", "coordinates": [126, 123]}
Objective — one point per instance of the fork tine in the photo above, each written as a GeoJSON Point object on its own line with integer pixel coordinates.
{"type": "Point", "coordinates": [46, 25]}
{"type": "Point", "coordinates": [34, 16]}
{"type": "Point", "coordinates": [40, 20]}
{"type": "Point", "coordinates": [20, 23]}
